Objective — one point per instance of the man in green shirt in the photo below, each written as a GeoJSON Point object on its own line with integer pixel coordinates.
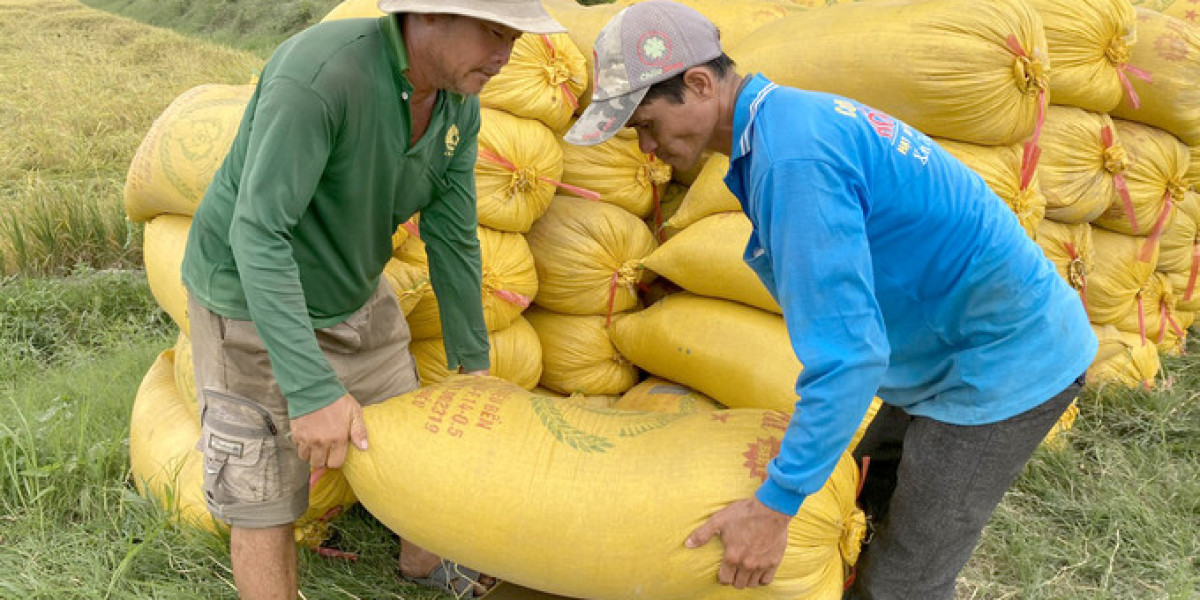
{"type": "Point", "coordinates": [354, 127]}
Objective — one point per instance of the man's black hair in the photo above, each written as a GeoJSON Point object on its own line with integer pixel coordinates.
{"type": "Point", "coordinates": [672, 89]}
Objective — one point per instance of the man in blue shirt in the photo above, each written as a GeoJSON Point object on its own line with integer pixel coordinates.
{"type": "Point", "coordinates": [899, 273]}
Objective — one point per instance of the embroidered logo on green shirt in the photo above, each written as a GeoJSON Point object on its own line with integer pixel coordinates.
{"type": "Point", "coordinates": [451, 140]}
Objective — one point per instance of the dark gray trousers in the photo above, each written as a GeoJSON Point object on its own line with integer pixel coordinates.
{"type": "Point", "coordinates": [930, 489]}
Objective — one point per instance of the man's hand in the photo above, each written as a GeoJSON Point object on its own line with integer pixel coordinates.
{"type": "Point", "coordinates": [754, 536]}
{"type": "Point", "coordinates": [320, 436]}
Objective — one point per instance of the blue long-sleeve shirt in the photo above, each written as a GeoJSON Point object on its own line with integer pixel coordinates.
{"type": "Point", "coordinates": [899, 273]}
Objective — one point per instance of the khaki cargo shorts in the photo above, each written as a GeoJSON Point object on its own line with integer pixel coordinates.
{"type": "Point", "coordinates": [253, 476]}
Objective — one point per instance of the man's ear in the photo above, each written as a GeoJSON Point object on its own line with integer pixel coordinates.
{"type": "Point", "coordinates": [700, 81]}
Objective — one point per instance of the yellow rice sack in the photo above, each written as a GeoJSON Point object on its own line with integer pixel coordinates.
{"type": "Point", "coordinates": [1152, 313]}
{"type": "Point", "coordinates": [583, 25]}
{"type": "Point", "coordinates": [659, 395]}
{"type": "Point", "coordinates": [163, 243]}
{"type": "Point", "coordinates": [578, 355]}
{"type": "Point", "coordinates": [1192, 177]}
{"type": "Point", "coordinates": [1055, 438]}
{"type": "Point", "coordinates": [163, 432]}
{"type": "Point", "coordinates": [1169, 50]}
{"type": "Point", "coordinates": [706, 259]}
{"type": "Point", "coordinates": [575, 481]}
{"type": "Point", "coordinates": [509, 282]}
{"type": "Point", "coordinates": [737, 19]}
{"type": "Point", "coordinates": [618, 171]}
{"type": "Point", "coordinates": [185, 372]}
{"type": "Point", "coordinates": [515, 355]}
{"type": "Point", "coordinates": [960, 69]}
{"type": "Point", "coordinates": [1118, 276]}
{"type": "Point", "coordinates": [543, 80]}
{"type": "Point", "coordinates": [1182, 10]}
{"type": "Point", "coordinates": [671, 201]}
{"type": "Point", "coordinates": [707, 195]}
{"type": "Point", "coordinates": [1157, 164]}
{"type": "Point", "coordinates": [738, 355]}
{"type": "Point", "coordinates": [354, 9]}
{"type": "Point", "coordinates": [1179, 249]}
{"type": "Point", "coordinates": [1071, 250]}
{"type": "Point", "coordinates": [1006, 171]}
{"type": "Point", "coordinates": [410, 282]}
{"type": "Point", "coordinates": [1089, 42]}
{"type": "Point", "coordinates": [519, 163]}
{"type": "Point", "coordinates": [1123, 359]}
{"type": "Point", "coordinates": [183, 149]}
{"type": "Point", "coordinates": [1188, 291]}
{"type": "Point", "coordinates": [1174, 339]}
{"type": "Point", "coordinates": [1083, 164]}
{"type": "Point", "coordinates": [588, 255]}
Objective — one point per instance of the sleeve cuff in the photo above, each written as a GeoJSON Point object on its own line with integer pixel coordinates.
{"type": "Point", "coordinates": [473, 361]}
{"type": "Point", "coordinates": [779, 499]}
{"type": "Point", "coordinates": [314, 398]}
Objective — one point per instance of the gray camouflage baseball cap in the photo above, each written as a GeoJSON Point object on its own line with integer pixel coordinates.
{"type": "Point", "coordinates": [642, 45]}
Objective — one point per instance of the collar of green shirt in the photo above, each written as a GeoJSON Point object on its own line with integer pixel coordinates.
{"type": "Point", "coordinates": [390, 25]}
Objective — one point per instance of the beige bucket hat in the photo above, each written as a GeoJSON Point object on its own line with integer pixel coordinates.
{"type": "Point", "coordinates": [523, 15]}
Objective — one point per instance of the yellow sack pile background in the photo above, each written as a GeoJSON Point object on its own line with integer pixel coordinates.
{"type": "Point", "coordinates": [659, 395]}
{"type": "Point", "coordinates": [1157, 163]}
{"type": "Point", "coordinates": [1079, 171]}
{"type": "Point", "coordinates": [943, 66]}
{"type": "Point", "coordinates": [579, 356]}
{"type": "Point", "coordinates": [521, 456]}
{"type": "Point", "coordinates": [1001, 169]}
{"type": "Point", "coordinates": [1169, 49]}
{"type": "Point", "coordinates": [542, 80]}
{"type": "Point", "coordinates": [618, 171]}
{"type": "Point", "coordinates": [515, 355]}
{"type": "Point", "coordinates": [707, 195]}
{"type": "Point", "coordinates": [519, 161]}
{"type": "Point", "coordinates": [1089, 43]}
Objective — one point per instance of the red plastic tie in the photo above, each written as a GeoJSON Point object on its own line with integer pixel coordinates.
{"type": "Point", "coordinates": [612, 298]}
{"type": "Point", "coordinates": [1159, 226]}
{"type": "Point", "coordinates": [566, 90]}
{"type": "Point", "coordinates": [1141, 317]}
{"type": "Point", "coordinates": [1106, 137]}
{"type": "Point", "coordinates": [1136, 72]}
{"type": "Point", "coordinates": [488, 155]}
{"type": "Point", "coordinates": [1191, 285]}
{"type": "Point", "coordinates": [412, 229]}
{"type": "Point", "coordinates": [513, 298]}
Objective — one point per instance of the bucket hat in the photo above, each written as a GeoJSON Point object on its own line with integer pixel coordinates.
{"type": "Point", "coordinates": [523, 15]}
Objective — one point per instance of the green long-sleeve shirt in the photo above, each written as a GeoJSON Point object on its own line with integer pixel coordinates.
{"type": "Point", "coordinates": [296, 226]}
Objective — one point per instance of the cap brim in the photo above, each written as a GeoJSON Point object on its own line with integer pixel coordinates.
{"type": "Point", "coordinates": [527, 17]}
{"type": "Point", "coordinates": [604, 118]}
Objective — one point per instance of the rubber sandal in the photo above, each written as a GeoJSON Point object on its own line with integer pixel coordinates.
{"type": "Point", "coordinates": [452, 578]}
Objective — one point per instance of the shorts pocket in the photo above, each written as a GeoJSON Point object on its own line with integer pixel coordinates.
{"type": "Point", "coordinates": [240, 446]}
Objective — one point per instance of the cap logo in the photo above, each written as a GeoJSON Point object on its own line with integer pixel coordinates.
{"type": "Point", "coordinates": [654, 49]}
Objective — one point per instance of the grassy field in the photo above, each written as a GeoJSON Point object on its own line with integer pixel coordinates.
{"type": "Point", "coordinates": [1113, 515]}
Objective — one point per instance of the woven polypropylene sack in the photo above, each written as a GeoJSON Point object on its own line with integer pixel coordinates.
{"type": "Point", "coordinates": [182, 151]}
{"type": "Point", "coordinates": [163, 242]}
{"type": "Point", "coordinates": [165, 463]}
{"type": "Point", "coordinates": [588, 257]}
{"type": "Point", "coordinates": [509, 282]}
{"type": "Point", "coordinates": [1169, 50]}
{"type": "Point", "coordinates": [706, 259]}
{"type": "Point", "coordinates": [1070, 248]}
{"type": "Point", "coordinates": [1157, 164]}
{"type": "Point", "coordinates": [543, 80]}
{"type": "Point", "coordinates": [1089, 43]}
{"type": "Point", "coordinates": [1123, 359]}
{"type": "Point", "coordinates": [659, 395]}
{"type": "Point", "coordinates": [1193, 173]}
{"type": "Point", "coordinates": [410, 282]}
{"type": "Point", "coordinates": [1179, 248]}
{"type": "Point", "coordinates": [185, 372]}
{"type": "Point", "coordinates": [737, 19]}
{"type": "Point", "coordinates": [707, 195]}
{"type": "Point", "coordinates": [1118, 276]}
{"type": "Point", "coordinates": [1006, 171]}
{"type": "Point", "coordinates": [519, 163]}
{"type": "Point", "coordinates": [583, 25]}
{"type": "Point", "coordinates": [354, 9]}
{"type": "Point", "coordinates": [960, 69]}
{"type": "Point", "coordinates": [1174, 340]}
{"type": "Point", "coordinates": [1082, 165]}
{"type": "Point", "coordinates": [1152, 310]}
{"type": "Point", "coordinates": [515, 355]}
{"type": "Point", "coordinates": [1185, 11]}
{"type": "Point", "coordinates": [574, 482]}
{"type": "Point", "coordinates": [578, 355]}
{"type": "Point", "coordinates": [618, 171]}
{"type": "Point", "coordinates": [1188, 291]}
{"type": "Point", "coordinates": [738, 355]}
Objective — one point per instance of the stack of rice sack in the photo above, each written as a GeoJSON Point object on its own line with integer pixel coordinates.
{"type": "Point", "coordinates": [1114, 172]}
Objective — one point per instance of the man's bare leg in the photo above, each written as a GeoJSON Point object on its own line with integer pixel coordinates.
{"type": "Point", "coordinates": [416, 561]}
{"type": "Point", "coordinates": [264, 562]}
